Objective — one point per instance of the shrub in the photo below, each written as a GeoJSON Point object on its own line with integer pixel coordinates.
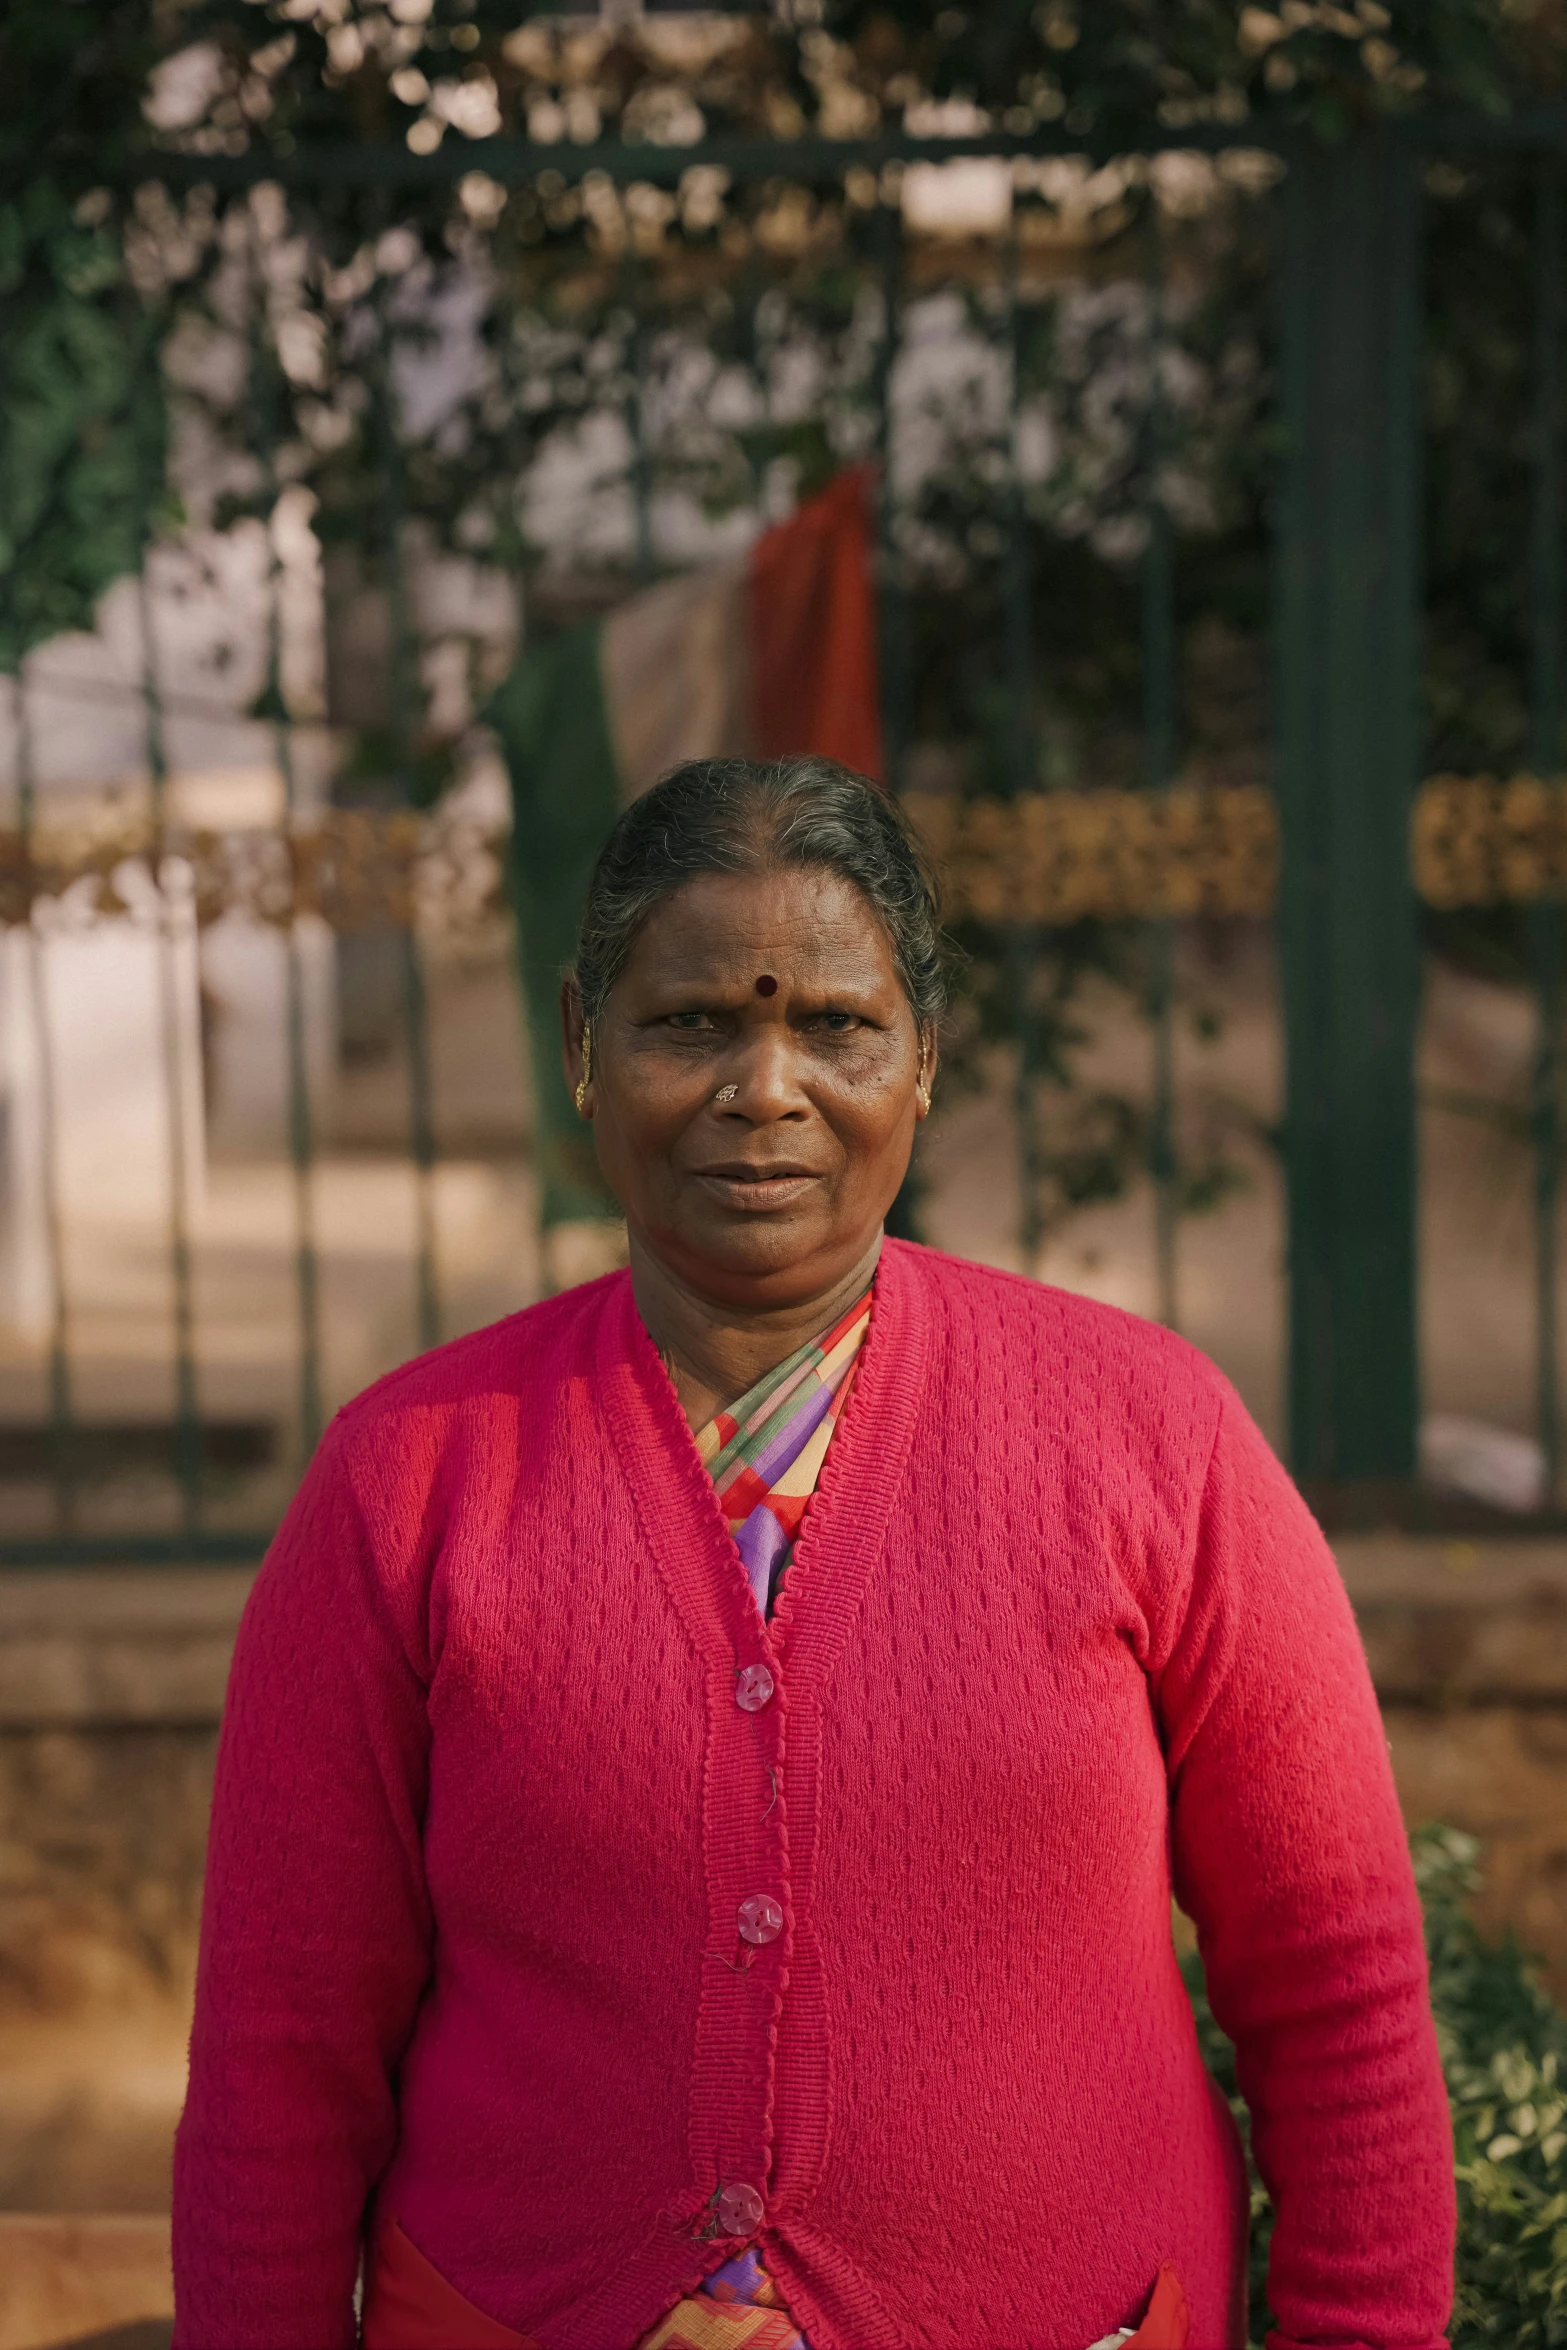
{"type": "Point", "coordinates": [1504, 2053]}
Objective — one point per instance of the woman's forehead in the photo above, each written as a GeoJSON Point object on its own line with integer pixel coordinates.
{"type": "Point", "coordinates": [791, 924]}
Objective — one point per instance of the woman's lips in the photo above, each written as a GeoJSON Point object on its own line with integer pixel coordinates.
{"type": "Point", "coordinates": [759, 1188]}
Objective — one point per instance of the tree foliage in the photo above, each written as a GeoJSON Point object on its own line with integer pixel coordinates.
{"type": "Point", "coordinates": [278, 330]}
{"type": "Point", "coordinates": [80, 413]}
{"type": "Point", "coordinates": [1504, 2053]}
{"type": "Point", "coordinates": [98, 98]}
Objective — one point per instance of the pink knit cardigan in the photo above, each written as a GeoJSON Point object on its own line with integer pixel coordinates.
{"type": "Point", "coordinates": [1058, 1637]}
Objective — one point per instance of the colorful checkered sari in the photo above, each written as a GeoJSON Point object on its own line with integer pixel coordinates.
{"type": "Point", "coordinates": [737, 2308]}
{"type": "Point", "coordinates": [766, 1452]}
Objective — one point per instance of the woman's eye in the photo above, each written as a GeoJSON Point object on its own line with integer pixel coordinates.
{"type": "Point", "coordinates": [688, 1021]}
{"type": "Point", "coordinates": [839, 1023]}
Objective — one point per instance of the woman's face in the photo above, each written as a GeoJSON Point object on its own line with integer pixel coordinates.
{"type": "Point", "coordinates": [779, 991]}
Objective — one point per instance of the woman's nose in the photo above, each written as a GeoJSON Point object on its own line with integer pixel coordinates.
{"type": "Point", "coordinates": [765, 1076]}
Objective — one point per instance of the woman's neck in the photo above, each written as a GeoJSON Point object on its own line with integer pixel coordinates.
{"type": "Point", "coordinates": [714, 1352]}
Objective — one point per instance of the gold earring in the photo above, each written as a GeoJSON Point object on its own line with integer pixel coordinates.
{"type": "Point", "coordinates": [581, 1096]}
{"type": "Point", "coordinates": [922, 1094]}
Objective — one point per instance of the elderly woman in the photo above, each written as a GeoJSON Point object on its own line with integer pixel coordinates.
{"type": "Point", "coordinates": [708, 1759]}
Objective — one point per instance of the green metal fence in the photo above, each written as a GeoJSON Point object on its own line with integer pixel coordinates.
{"type": "Point", "coordinates": [1343, 231]}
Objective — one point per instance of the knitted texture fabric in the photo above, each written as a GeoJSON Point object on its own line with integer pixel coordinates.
{"type": "Point", "coordinates": [1058, 1637]}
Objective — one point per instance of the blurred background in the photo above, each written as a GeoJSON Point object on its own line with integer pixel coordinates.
{"type": "Point", "coordinates": [423, 420]}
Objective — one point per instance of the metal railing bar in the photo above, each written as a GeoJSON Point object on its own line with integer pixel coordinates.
{"type": "Point", "coordinates": [421, 1139]}
{"type": "Point", "coordinates": [1023, 939]}
{"type": "Point", "coordinates": [301, 1138]}
{"type": "Point", "coordinates": [891, 592]}
{"type": "Point", "coordinates": [1159, 735]}
{"type": "Point", "coordinates": [757, 446]}
{"type": "Point", "coordinates": [61, 1403]}
{"type": "Point", "coordinates": [894, 663]}
{"type": "Point", "coordinates": [137, 1550]}
{"type": "Point", "coordinates": [1525, 128]}
{"type": "Point", "coordinates": [187, 1417]}
{"type": "Point", "coordinates": [348, 164]}
{"type": "Point", "coordinates": [1017, 623]}
{"type": "Point", "coordinates": [301, 1149]}
{"type": "Point", "coordinates": [402, 671]}
{"type": "Point", "coordinates": [344, 164]}
{"type": "Point", "coordinates": [1162, 1164]}
{"type": "Point", "coordinates": [1545, 749]}
{"type": "Point", "coordinates": [643, 460]}
{"type": "Point", "coordinates": [512, 161]}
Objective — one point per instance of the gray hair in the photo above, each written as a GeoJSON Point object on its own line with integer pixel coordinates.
{"type": "Point", "coordinates": [757, 816]}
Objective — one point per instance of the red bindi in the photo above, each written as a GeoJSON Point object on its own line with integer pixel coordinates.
{"type": "Point", "coordinates": [767, 984]}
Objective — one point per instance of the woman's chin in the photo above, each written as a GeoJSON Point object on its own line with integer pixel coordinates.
{"type": "Point", "coordinates": [781, 1252]}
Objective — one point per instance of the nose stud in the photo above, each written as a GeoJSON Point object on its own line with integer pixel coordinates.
{"type": "Point", "coordinates": [726, 1093]}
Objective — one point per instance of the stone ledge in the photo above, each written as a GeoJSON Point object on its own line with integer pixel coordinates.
{"type": "Point", "coordinates": [117, 1646]}
{"type": "Point", "coordinates": [69, 2282]}
{"type": "Point", "coordinates": [1449, 1622]}
{"type": "Point", "coordinates": [1444, 1622]}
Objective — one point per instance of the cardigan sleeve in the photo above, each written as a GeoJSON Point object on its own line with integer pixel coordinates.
{"type": "Point", "coordinates": [315, 1941]}
{"type": "Point", "coordinates": [1291, 1858]}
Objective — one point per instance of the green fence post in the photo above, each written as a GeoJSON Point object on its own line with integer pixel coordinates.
{"type": "Point", "coordinates": [189, 1460]}
{"type": "Point", "coordinates": [1348, 755]}
{"type": "Point", "coordinates": [1545, 755]}
{"type": "Point", "coordinates": [1020, 772]}
{"type": "Point", "coordinates": [1161, 719]}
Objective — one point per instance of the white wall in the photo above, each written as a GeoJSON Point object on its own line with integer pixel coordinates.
{"type": "Point", "coordinates": [103, 1000]}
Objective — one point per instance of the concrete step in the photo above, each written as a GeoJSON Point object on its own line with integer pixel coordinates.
{"type": "Point", "coordinates": [98, 2281]}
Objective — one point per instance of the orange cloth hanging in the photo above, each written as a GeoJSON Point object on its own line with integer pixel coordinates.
{"type": "Point", "coordinates": [812, 631]}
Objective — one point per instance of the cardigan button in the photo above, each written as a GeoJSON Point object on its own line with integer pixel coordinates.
{"type": "Point", "coordinates": [754, 1687]}
{"type": "Point", "coordinates": [761, 1920]}
{"type": "Point", "coordinates": [739, 2211]}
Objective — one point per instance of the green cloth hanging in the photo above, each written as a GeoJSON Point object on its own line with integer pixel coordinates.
{"type": "Point", "coordinates": [554, 736]}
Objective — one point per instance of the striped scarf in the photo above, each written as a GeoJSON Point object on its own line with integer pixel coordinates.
{"type": "Point", "coordinates": [765, 1453]}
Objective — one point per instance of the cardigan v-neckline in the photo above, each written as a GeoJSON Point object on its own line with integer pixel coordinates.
{"type": "Point", "coordinates": [841, 1538]}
